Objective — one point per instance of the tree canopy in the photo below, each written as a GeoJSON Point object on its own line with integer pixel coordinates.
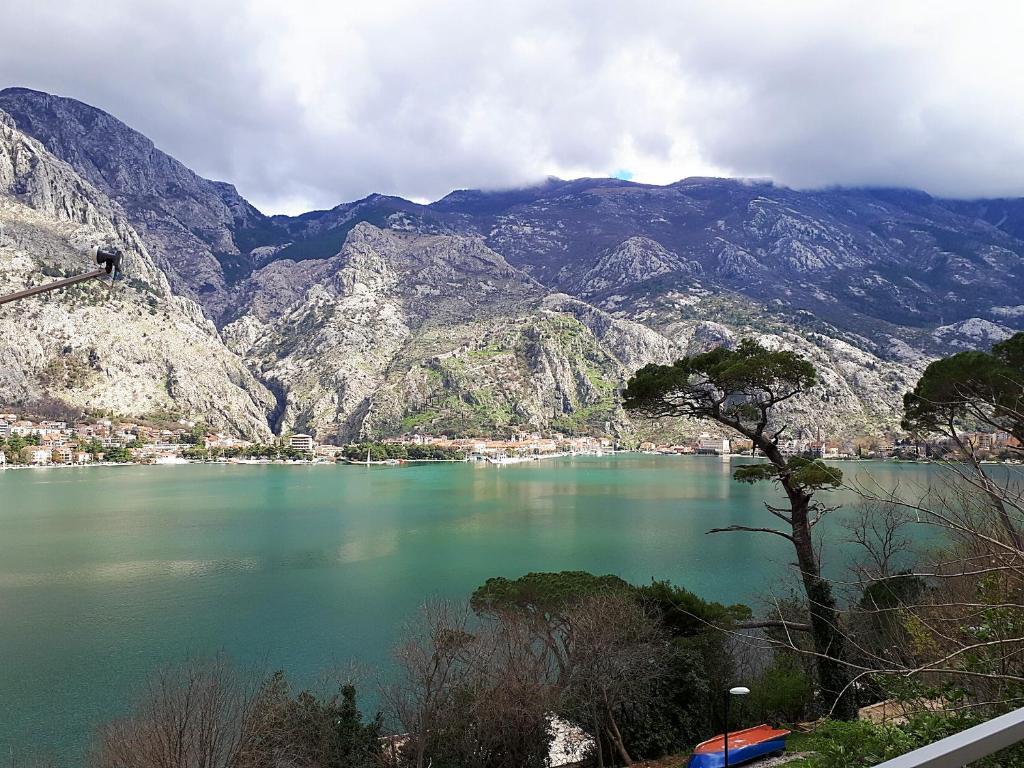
{"type": "Point", "coordinates": [736, 387]}
{"type": "Point", "coordinates": [543, 592]}
{"type": "Point", "coordinates": [811, 474]}
{"type": "Point", "coordinates": [981, 391]}
{"type": "Point", "coordinates": [681, 611]}
{"type": "Point", "coordinates": [970, 390]}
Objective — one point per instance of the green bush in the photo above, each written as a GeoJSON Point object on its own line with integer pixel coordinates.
{"type": "Point", "coordinates": [929, 727]}
{"type": "Point", "coordinates": [857, 744]}
{"type": "Point", "coordinates": [783, 693]}
{"type": "Point", "coordinates": [862, 743]}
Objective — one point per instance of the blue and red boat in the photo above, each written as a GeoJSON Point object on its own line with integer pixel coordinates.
{"type": "Point", "coordinates": [745, 745]}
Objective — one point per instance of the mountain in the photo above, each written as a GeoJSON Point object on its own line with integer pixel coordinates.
{"type": "Point", "coordinates": [491, 310]}
{"type": "Point", "coordinates": [198, 231]}
{"type": "Point", "coordinates": [139, 350]}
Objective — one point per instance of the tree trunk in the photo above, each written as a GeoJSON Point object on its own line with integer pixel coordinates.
{"type": "Point", "coordinates": [615, 734]}
{"type": "Point", "coordinates": [598, 740]}
{"type": "Point", "coordinates": [833, 676]}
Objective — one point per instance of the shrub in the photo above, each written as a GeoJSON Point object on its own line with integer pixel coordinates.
{"type": "Point", "coordinates": [857, 744]}
{"type": "Point", "coordinates": [784, 691]}
{"type": "Point", "coordinates": [928, 727]}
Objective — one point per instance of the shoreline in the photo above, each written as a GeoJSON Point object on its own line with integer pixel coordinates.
{"type": "Point", "coordinates": [486, 461]}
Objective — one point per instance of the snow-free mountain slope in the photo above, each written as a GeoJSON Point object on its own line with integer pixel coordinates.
{"type": "Point", "coordinates": [138, 351]}
{"type": "Point", "coordinates": [488, 311]}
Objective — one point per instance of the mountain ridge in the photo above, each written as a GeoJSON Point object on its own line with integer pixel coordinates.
{"type": "Point", "coordinates": [135, 350]}
{"type": "Point", "coordinates": [492, 310]}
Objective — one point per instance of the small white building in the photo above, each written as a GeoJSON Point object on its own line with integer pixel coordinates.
{"type": "Point", "coordinates": [25, 428]}
{"type": "Point", "coordinates": [37, 456]}
{"type": "Point", "coordinates": [225, 441]}
{"type": "Point", "coordinates": [302, 443]}
{"type": "Point", "coordinates": [713, 444]}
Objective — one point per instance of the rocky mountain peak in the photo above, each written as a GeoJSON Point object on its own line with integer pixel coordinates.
{"type": "Point", "coordinates": [198, 230]}
{"type": "Point", "coordinates": [635, 260]}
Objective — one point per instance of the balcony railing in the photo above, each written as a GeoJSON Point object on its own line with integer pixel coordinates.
{"type": "Point", "coordinates": [962, 748]}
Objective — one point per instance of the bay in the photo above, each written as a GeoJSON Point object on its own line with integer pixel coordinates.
{"type": "Point", "coordinates": [107, 573]}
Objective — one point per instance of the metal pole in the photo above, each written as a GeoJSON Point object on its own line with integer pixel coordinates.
{"type": "Point", "coordinates": [52, 286]}
{"type": "Point", "coordinates": [725, 740]}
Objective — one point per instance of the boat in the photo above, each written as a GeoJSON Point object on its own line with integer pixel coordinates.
{"type": "Point", "coordinates": [745, 745]}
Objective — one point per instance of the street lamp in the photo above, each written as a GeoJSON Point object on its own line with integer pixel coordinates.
{"type": "Point", "coordinates": [737, 691]}
{"type": "Point", "coordinates": [109, 260]}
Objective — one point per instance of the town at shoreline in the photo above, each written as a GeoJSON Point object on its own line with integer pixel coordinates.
{"type": "Point", "coordinates": [28, 441]}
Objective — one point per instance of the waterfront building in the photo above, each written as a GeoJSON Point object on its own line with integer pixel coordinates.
{"type": "Point", "coordinates": [741, 445]}
{"type": "Point", "coordinates": [219, 440]}
{"type": "Point", "coordinates": [330, 451]}
{"type": "Point", "coordinates": [36, 455]}
{"type": "Point", "coordinates": [156, 450]}
{"type": "Point", "coordinates": [302, 443]}
{"type": "Point", "coordinates": [61, 454]}
{"type": "Point", "coordinates": [713, 444]}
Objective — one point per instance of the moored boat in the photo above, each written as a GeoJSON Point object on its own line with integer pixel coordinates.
{"type": "Point", "coordinates": [745, 745]}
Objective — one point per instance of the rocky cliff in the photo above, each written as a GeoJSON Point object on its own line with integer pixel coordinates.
{"type": "Point", "coordinates": [198, 231]}
{"type": "Point", "coordinates": [137, 350]}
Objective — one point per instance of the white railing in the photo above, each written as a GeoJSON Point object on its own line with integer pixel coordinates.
{"type": "Point", "coordinates": [963, 748]}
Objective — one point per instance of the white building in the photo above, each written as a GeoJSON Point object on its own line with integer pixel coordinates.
{"type": "Point", "coordinates": [25, 428]}
{"type": "Point", "coordinates": [225, 441]}
{"type": "Point", "coordinates": [153, 450]}
{"type": "Point", "coordinates": [713, 444]}
{"type": "Point", "coordinates": [116, 441]}
{"type": "Point", "coordinates": [38, 456]}
{"type": "Point", "coordinates": [301, 443]}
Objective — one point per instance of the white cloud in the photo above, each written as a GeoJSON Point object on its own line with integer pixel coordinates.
{"type": "Point", "coordinates": [306, 104]}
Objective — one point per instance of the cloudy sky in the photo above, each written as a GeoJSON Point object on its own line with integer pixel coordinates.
{"type": "Point", "coordinates": [307, 104]}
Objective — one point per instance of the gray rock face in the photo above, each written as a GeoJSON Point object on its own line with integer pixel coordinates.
{"type": "Point", "coordinates": [634, 261]}
{"type": "Point", "coordinates": [404, 330]}
{"type": "Point", "coordinates": [137, 351]}
{"type": "Point", "coordinates": [196, 229]}
{"type": "Point", "coordinates": [487, 311]}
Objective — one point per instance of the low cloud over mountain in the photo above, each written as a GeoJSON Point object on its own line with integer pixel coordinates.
{"type": "Point", "coordinates": [304, 107]}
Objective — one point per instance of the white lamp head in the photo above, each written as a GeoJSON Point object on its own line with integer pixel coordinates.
{"type": "Point", "coordinates": [739, 691]}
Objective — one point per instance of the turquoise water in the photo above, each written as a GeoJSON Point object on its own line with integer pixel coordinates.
{"type": "Point", "coordinates": [106, 573]}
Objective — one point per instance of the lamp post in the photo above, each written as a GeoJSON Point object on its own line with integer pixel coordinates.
{"type": "Point", "coordinates": [109, 259]}
{"type": "Point", "coordinates": [737, 691]}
